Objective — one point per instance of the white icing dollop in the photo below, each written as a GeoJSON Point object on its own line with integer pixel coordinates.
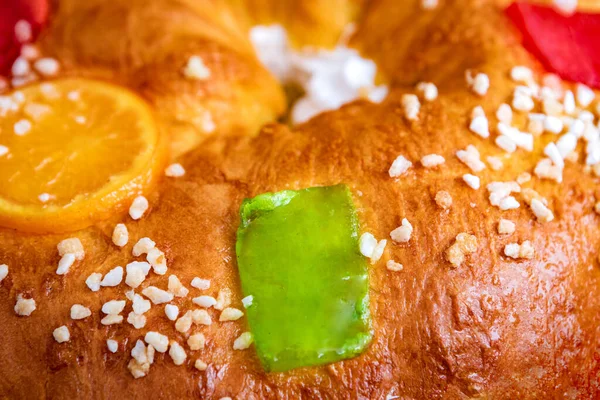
{"type": "Point", "coordinates": [330, 78]}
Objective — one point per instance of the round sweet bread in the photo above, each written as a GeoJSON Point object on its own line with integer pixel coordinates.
{"type": "Point", "coordinates": [478, 169]}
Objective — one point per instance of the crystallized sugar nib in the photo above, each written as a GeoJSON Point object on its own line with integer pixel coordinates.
{"type": "Point", "coordinates": [156, 295]}
{"type": "Point", "coordinates": [201, 284]}
{"type": "Point", "coordinates": [551, 106]}
{"type": "Point", "coordinates": [196, 341]}
{"type": "Point", "coordinates": [171, 311]}
{"type": "Point", "coordinates": [230, 314]}
{"type": "Point", "coordinates": [569, 103]}
{"type": "Point", "coordinates": [399, 166]}
{"type": "Point", "coordinates": [80, 312]}
{"type": "Point", "coordinates": [512, 250]}
{"type": "Point", "coordinates": [378, 251]}
{"type": "Point", "coordinates": [175, 170]}
{"type": "Point", "coordinates": [247, 301]}
{"type": "Point", "coordinates": [24, 307]}
{"type": "Point", "coordinates": [20, 67]}
{"type": "Point", "coordinates": [369, 247]}
{"type": "Point", "coordinates": [73, 246]}
{"type": "Point", "coordinates": [23, 31]}
{"type": "Point", "coordinates": [506, 144]}
{"type": "Point", "coordinates": [522, 102]}
{"type": "Point", "coordinates": [22, 127]}
{"type": "Point", "coordinates": [61, 334]}
{"type": "Point", "coordinates": [44, 197]}
{"type": "Point", "coordinates": [113, 278]}
{"type": "Point", "coordinates": [551, 150]}
{"type": "Point", "coordinates": [520, 139]}
{"type": "Point", "coordinates": [429, 4]}
{"type": "Point", "coordinates": [472, 181]}
{"type": "Point", "coordinates": [411, 106]}
{"type": "Point", "coordinates": [521, 74]}
{"type": "Point", "coordinates": [504, 113]}
{"type": "Point", "coordinates": [112, 345]}
{"type": "Point", "coordinates": [113, 307]}
{"type": "Point", "coordinates": [429, 90]}
{"type": "Point", "coordinates": [136, 273]}
{"type": "Point", "coordinates": [542, 212]}
{"type": "Point", "coordinates": [516, 251]}
{"type": "Point", "coordinates": [143, 357]}
{"type": "Point", "coordinates": [553, 124]}
{"type": "Point", "coordinates": [36, 111]}
{"type": "Point", "coordinates": [500, 194]}
{"type": "Point", "coordinates": [184, 323]}
{"type": "Point", "coordinates": [432, 160]}
{"type": "Point", "coordinates": [47, 66]}
{"type": "Point", "coordinates": [176, 287]}
{"type": "Point", "coordinates": [200, 365]}
{"type": "Point", "coordinates": [138, 321]}
{"type": "Point", "coordinates": [157, 259]}
{"type": "Point", "coordinates": [523, 178]}
{"type": "Point", "coordinates": [201, 317]}
{"type": "Point", "coordinates": [470, 157]}
{"type": "Point", "coordinates": [506, 227]}
{"type": "Point", "coordinates": [535, 126]}
{"type": "Point", "coordinates": [443, 199]}
{"type": "Point", "coordinates": [367, 243]}
{"type": "Point", "coordinates": [223, 299]}
{"type": "Point", "coordinates": [584, 95]}
{"type": "Point", "coordinates": [567, 144]}
{"type": "Point", "coordinates": [120, 235]}
{"type": "Point", "coordinates": [479, 84]}
{"type": "Point", "coordinates": [463, 245]}
{"type": "Point", "coordinates": [158, 341]}
{"type": "Point", "coordinates": [243, 341]}
{"type": "Point", "coordinates": [479, 125]}
{"type": "Point", "coordinates": [403, 233]}
{"type": "Point", "coordinates": [204, 301]}
{"type": "Point", "coordinates": [140, 305]}
{"type": "Point", "coordinates": [177, 353]}
{"type": "Point", "coordinates": [393, 266]}
{"type": "Point", "coordinates": [143, 354]}
{"type": "Point", "coordinates": [93, 281]}
{"type": "Point", "coordinates": [138, 207]}
{"type": "Point", "coordinates": [3, 272]}
{"type": "Point", "coordinates": [196, 69]}
{"type": "Point", "coordinates": [65, 263]}
{"type": "Point", "coordinates": [546, 169]}
{"type": "Point", "coordinates": [143, 246]}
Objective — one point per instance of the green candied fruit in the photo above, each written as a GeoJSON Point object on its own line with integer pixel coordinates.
{"type": "Point", "coordinates": [298, 256]}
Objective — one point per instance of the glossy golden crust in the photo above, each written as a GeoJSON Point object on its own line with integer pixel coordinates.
{"type": "Point", "coordinates": [492, 328]}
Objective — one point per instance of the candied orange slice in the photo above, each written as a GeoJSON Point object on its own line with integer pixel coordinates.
{"type": "Point", "coordinates": [73, 151]}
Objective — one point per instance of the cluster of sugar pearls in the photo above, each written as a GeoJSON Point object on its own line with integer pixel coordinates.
{"type": "Point", "coordinates": [565, 115]}
{"type": "Point", "coordinates": [29, 66]}
{"type": "Point", "coordinates": [370, 247]}
{"type": "Point", "coordinates": [563, 111]}
{"type": "Point", "coordinates": [142, 355]}
{"type": "Point", "coordinates": [330, 78]}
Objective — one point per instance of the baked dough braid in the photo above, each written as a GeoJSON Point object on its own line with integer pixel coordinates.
{"type": "Point", "coordinates": [145, 46]}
